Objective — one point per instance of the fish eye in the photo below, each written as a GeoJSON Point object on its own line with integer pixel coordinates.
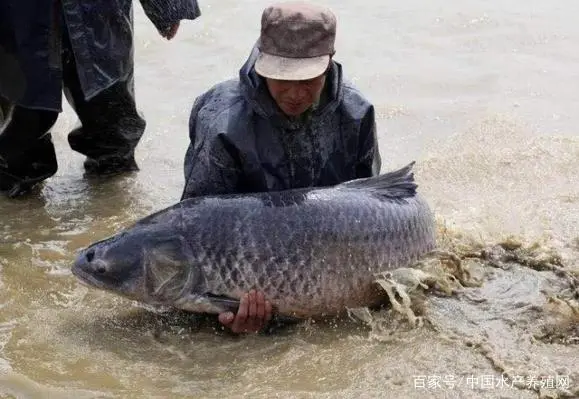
{"type": "Point", "coordinates": [101, 269]}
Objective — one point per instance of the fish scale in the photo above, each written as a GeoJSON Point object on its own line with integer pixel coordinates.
{"type": "Point", "coordinates": [333, 241]}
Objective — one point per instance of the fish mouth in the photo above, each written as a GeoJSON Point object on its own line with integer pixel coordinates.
{"type": "Point", "coordinates": [87, 279]}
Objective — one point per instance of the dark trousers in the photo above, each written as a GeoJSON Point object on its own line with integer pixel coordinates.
{"type": "Point", "coordinates": [111, 127]}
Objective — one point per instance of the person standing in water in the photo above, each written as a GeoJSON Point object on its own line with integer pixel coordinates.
{"type": "Point", "coordinates": [86, 48]}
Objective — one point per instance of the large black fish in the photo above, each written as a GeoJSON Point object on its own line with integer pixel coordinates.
{"type": "Point", "coordinates": [313, 251]}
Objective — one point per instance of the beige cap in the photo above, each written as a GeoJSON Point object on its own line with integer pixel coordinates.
{"type": "Point", "coordinates": [296, 41]}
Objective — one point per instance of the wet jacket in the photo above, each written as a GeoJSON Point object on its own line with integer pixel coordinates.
{"type": "Point", "coordinates": [101, 35]}
{"type": "Point", "coordinates": [241, 142]}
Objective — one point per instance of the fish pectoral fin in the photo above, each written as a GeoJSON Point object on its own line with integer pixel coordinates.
{"type": "Point", "coordinates": [207, 303]}
{"type": "Point", "coordinates": [215, 304]}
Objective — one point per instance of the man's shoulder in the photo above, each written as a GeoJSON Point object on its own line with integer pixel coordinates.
{"type": "Point", "coordinates": [219, 97]}
{"type": "Point", "coordinates": [354, 101]}
{"type": "Point", "coordinates": [352, 92]}
{"type": "Point", "coordinates": [213, 110]}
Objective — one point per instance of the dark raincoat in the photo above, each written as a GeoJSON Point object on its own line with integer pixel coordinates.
{"type": "Point", "coordinates": [101, 35]}
{"type": "Point", "coordinates": [241, 142]}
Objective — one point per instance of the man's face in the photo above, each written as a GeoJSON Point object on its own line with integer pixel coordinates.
{"type": "Point", "coordinates": [295, 96]}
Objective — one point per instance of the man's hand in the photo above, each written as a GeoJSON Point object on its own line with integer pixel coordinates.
{"type": "Point", "coordinates": [171, 32]}
{"type": "Point", "coordinates": [253, 314]}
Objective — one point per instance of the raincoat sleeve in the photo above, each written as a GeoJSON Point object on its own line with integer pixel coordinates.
{"type": "Point", "coordinates": [369, 160]}
{"type": "Point", "coordinates": [210, 166]}
{"type": "Point", "coordinates": [166, 13]}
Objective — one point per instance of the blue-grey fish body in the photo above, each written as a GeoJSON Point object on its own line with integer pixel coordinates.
{"type": "Point", "coordinates": [312, 251]}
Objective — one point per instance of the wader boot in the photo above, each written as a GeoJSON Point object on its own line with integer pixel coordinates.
{"type": "Point", "coordinates": [27, 155]}
{"type": "Point", "coordinates": [111, 127]}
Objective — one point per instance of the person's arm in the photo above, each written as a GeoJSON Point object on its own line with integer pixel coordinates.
{"type": "Point", "coordinates": [369, 160]}
{"type": "Point", "coordinates": [167, 14]}
{"type": "Point", "coordinates": [210, 166]}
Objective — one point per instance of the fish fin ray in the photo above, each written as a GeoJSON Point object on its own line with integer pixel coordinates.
{"type": "Point", "coordinates": [396, 184]}
{"type": "Point", "coordinates": [207, 303]}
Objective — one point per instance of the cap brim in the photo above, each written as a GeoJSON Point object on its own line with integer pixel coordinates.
{"type": "Point", "coordinates": [282, 68]}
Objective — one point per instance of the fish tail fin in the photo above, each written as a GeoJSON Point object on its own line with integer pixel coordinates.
{"type": "Point", "coordinates": [395, 184]}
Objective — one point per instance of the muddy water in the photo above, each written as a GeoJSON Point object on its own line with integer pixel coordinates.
{"type": "Point", "coordinates": [482, 94]}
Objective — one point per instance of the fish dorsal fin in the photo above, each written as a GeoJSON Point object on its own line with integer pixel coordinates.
{"type": "Point", "coordinates": [397, 184]}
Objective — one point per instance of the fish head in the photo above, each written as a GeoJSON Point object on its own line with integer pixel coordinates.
{"type": "Point", "coordinates": [112, 264]}
{"type": "Point", "coordinates": [149, 264]}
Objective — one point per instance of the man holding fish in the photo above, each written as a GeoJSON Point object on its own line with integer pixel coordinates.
{"type": "Point", "coordinates": [289, 121]}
